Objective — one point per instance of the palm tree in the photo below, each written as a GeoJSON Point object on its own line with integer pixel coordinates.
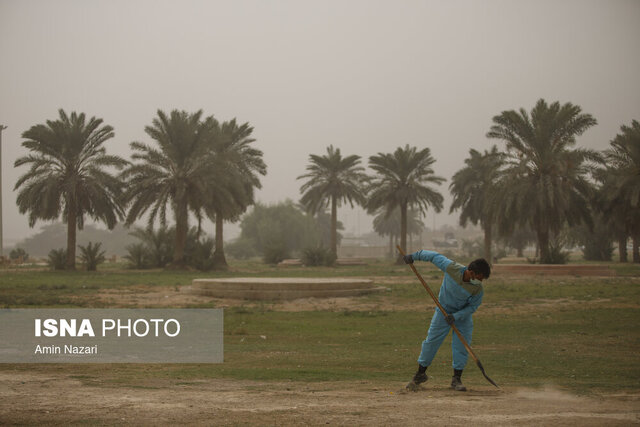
{"type": "Point", "coordinates": [390, 225]}
{"type": "Point", "coordinates": [69, 175]}
{"type": "Point", "coordinates": [474, 189]}
{"type": "Point", "coordinates": [545, 183]}
{"type": "Point", "coordinates": [177, 173]}
{"type": "Point", "coordinates": [402, 182]}
{"type": "Point", "coordinates": [332, 180]}
{"type": "Point", "coordinates": [614, 208]}
{"type": "Point", "coordinates": [622, 184]}
{"type": "Point", "coordinates": [244, 163]}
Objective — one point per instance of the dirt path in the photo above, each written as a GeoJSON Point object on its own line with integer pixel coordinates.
{"type": "Point", "coordinates": [58, 398]}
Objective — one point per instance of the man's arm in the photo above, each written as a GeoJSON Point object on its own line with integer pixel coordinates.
{"type": "Point", "coordinates": [440, 261]}
{"type": "Point", "coordinates": [469, 309]}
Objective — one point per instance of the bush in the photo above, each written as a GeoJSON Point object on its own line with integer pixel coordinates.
{"type": "Point", "coordinates": [58, 259]}
{"type": "Point", "coordinates": [499, 252]}
{"type": "Point", "coordinates": [598, 244]}
{"type": "Point", "coordinates": [91, 255]}
{"type": "Point", "coordinates": [598, 251]}
{"type": "Point", "coordinates": [275, 252]}
{"type": "Point", "coordinates": [242, 248]}
{"type": "Point", "coordinates": [280, 229]}
{"type": "Point", "coordinates": [312, 257]}
{"type": "Point", "coordinates": [156, 248]}
{"type": "Point", "coordinates": [159, 244]}
{"type": "Point", "coordinates": [138, 256]}
{"type": "Point", "coordinates": [201, 256]}
{"type": "Point", "coordinates": [556, 253]}
{"type": "Point", "coordinates": [556, 256]}
{"type": "Point", "coordinates": [17, 253]}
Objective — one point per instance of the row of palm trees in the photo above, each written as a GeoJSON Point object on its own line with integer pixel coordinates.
{"type": "Point", "coordinates": [197, 166]}
{"type": "Point", "coordinates": [538, 182]}
{"type": "Point", "coordinates": [403, 179]}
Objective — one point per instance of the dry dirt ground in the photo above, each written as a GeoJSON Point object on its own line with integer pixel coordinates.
{"type": "Point", "coordinates": [58, 398]}
{"type": "Point", "coordinates": [54, 395]}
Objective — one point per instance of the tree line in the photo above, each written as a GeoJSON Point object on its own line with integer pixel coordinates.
{"type": "Point", "coordinates": [539, 182]}
{"type": "Point", "coordinates": [196, 165]}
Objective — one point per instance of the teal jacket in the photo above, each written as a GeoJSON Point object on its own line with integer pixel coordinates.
{"type": "Point", "coordinates": [456, 296]}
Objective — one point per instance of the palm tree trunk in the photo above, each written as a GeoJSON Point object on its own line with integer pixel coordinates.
{"type": "Point", "coordinates": [542, 230]}
{"type": "Point", "coordinates": [182, 227]}
{"type": "Point", "coordinates": [622, 247]}
{"type": "Point", "coordinates": [520, 250]}
{"type": "Point", "coordinates": [487, 242]}
{"type": "Point", "coordinates": [72, 224]}
{"type": "Point", "coordinates": [636, 249]}
{"type": "Point", "coordinates": [543, 244]}
{"type": "Point", "coordinates": [219, 260]}
{"type": "Point", "coordinates": [334, 226]}
{"type": "Point", "coordinates": [403, 231]}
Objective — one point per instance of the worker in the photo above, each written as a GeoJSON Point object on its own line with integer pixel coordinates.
{"type": "Point", "coordinates": [460, 296]}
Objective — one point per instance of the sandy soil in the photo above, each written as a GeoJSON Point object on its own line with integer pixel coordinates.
{"type": "Point", "coordinates": [58, 398]}
{"type": "Point", "coordinates": [58, 395]}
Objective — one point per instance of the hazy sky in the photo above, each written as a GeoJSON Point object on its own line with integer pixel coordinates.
{"type": "Point", "coordinates": [365, 76]}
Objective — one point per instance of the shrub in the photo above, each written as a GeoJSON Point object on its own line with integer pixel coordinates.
{"type": "Point", "coordinates": [499, 252]}
{"type": "Point", "coordinates": [330, 259]}
{"type": "Point", "coordinates": [57, 259]}
{"type": "Point", "coordinates": [201, 256]}
{"type": "Point", "coordinates": [318, 256]}
{"type": "Point", "coordinates": [598, 244]}
{"type": "Point", "coordinates": [556, 253]}
{"type": "Point", "coordinates": [275, 252]}
{"type": "Point", "coordinates": [91, 255]}
{"type": "Point", "coordinates": [17, 253]}
{"type": "Point", "coordinates": [138, 256]}
{"type": "Point", "coordinates": [598, 251]}
{"type": "Point", "coordinates": [242, 248]}
{"type": "Point", "coordinates": [159, 244]}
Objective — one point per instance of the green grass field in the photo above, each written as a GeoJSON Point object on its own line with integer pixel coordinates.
{"type": "Point", "coordinates": [577, 333]}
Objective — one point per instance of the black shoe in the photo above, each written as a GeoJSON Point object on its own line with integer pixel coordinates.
{"type": "Point", "coordinates": [418, 378]}
{"type": "Point", "coordinates": [456, 384]}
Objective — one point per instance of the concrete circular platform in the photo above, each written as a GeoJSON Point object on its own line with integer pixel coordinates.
{"type": "Point", "coordinates": [283, 288]}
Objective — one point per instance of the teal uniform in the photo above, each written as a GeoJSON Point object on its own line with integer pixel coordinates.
{"type": "Point", "coordinates": [458, 298]}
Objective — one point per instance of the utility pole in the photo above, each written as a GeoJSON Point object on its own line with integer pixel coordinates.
{"type": "Point", "coordinates": [2, 127]}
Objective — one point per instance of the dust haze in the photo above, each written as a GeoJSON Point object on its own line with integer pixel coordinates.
{"type": "Point", "coordinates": [365, 76]}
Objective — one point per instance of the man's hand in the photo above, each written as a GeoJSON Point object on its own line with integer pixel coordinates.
{"type": "Point", "coordinates": [450, 319]}
{"type": "Point", "coordinates": [408, 259]}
